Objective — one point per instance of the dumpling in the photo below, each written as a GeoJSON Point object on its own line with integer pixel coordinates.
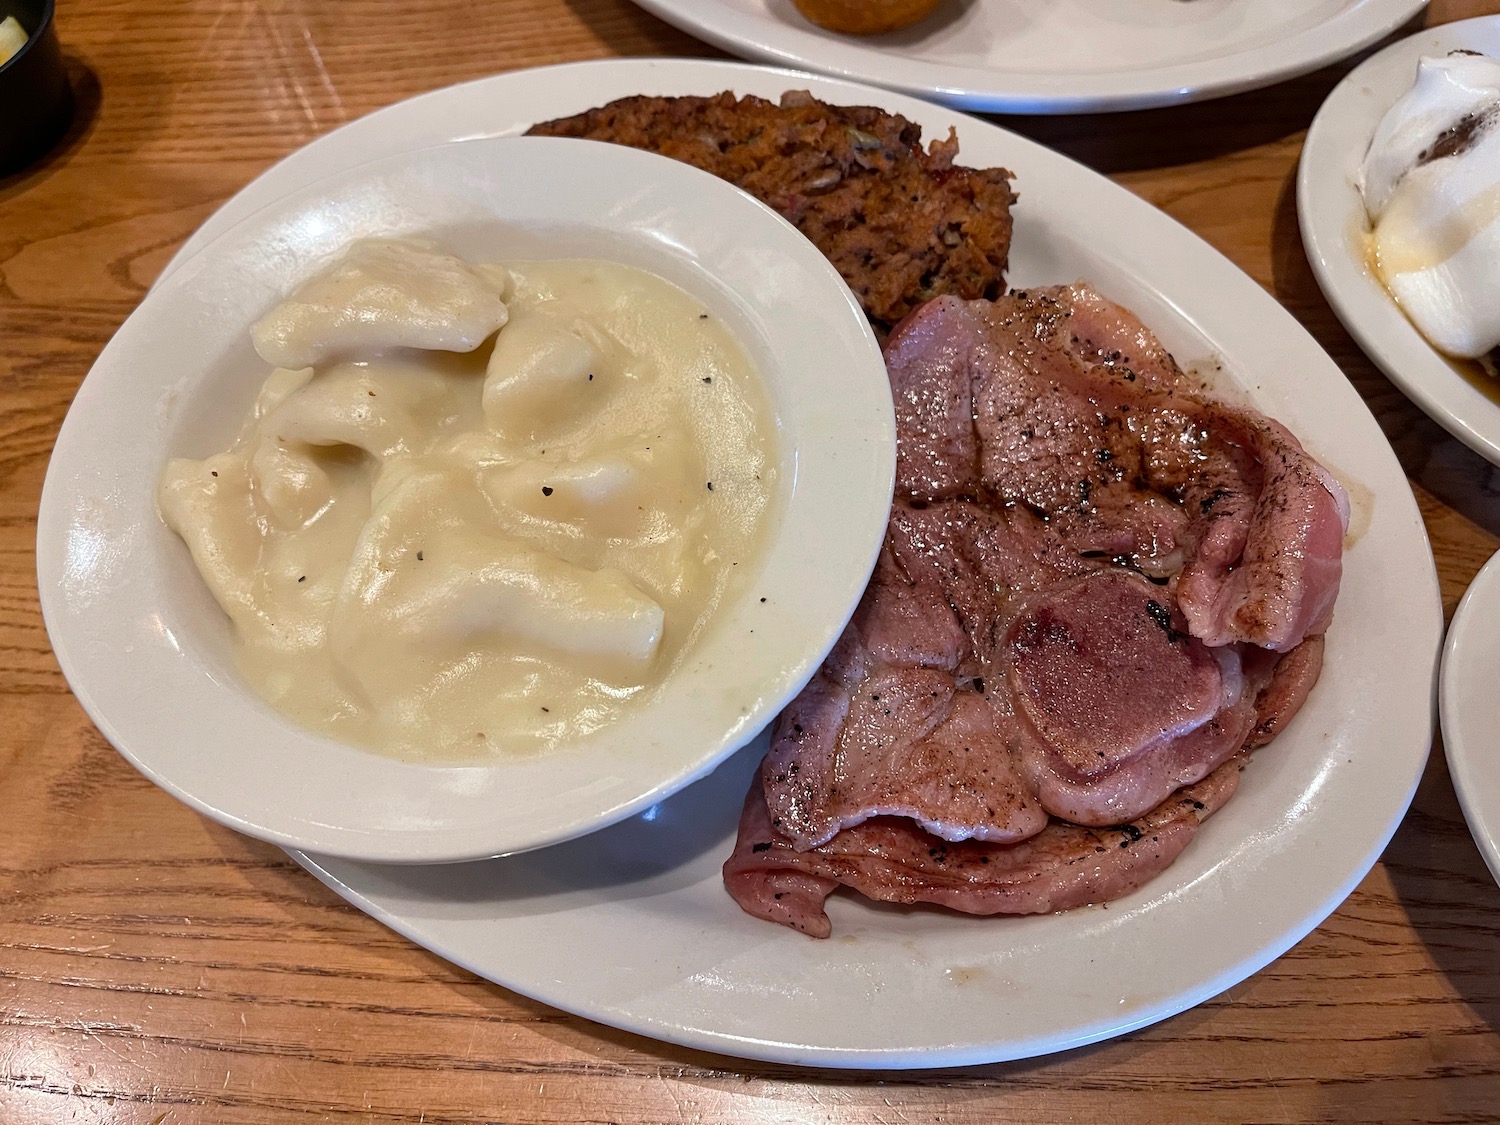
{"type": "Point", "coordinates": [648, 485]}
{"type": "Point", "coordinates": [384, 293]}
{"type": "Point", "coordinates": [349, 406]}
{"type": "Point", "coordinates": [429, 583]}
{"type": "Point", "coordinates": [208, 504]}
{"type": "Point", "coordinates": [547, 375]}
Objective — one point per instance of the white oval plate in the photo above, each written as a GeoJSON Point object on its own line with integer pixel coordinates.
{"type": "Point", "coordinates": [1059, 56]}
{"type": "Point", "coordinates": [1333, 218]}
{"type": "Point", "coordinates": [149, 653]}
{"type": "Point", "coordinates": [632, 926]}
{"type": "Point", "coordinates": [1471, 709]}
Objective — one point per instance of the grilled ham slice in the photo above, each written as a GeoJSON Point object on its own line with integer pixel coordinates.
{"type": "Point", "coordinates": [891, 859]}
{"type": "Point", "coordinates": [1098, 586]}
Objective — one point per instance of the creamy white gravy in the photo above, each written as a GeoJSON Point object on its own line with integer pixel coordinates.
{"type": "Point", "coordinates": [440, 555]}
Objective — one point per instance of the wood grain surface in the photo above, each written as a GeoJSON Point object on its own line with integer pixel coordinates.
{"type": "Point", "coordinates": [156, 969]}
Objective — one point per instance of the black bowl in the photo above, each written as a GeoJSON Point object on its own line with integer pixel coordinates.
{"type": "Point", "coordinates": [36, 102]}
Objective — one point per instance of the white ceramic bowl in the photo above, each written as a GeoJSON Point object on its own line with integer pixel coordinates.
{"type": "Point", "coordinates": [148, 652]}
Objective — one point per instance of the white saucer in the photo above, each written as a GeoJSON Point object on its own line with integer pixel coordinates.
{"type": "Point", "coordinates": [1333, 220]}
{"type": "Point", "coordinates": [1470, 704]}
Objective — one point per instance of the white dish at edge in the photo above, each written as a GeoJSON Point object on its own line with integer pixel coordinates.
{"type": "Point", "coordinates": [1470, 708]}
{"type": "Point", "coordinates": [149, 654]}
{"type": "Point", "coordinates": [631, 926]}
{"type": "Point", "coordinates": [1332, 217]}
{"type": "Point", "coordinates": [1058, 56]}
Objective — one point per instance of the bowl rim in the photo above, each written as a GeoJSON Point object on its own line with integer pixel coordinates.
{"type": "Point", "coordinates": [49, 11]}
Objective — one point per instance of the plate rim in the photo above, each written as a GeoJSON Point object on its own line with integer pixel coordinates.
{"type": "Point", "coordinates": [1330, 157]}
{"type": "Point", "coordinates": [974, 89]}
{"type": "Point", "coordinates": [1479, 606]}
{"type": "Point", "coordinates": [655, 74]}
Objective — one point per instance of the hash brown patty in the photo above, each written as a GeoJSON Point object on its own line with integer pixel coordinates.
{"type": "Point", "coordinates": [900, 223]}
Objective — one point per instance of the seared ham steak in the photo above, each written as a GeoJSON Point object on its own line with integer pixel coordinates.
{"type": "Point", "coordinates": [891, 859]}
{"type": "Point", "coordinates": [1098, 586]}
{"type": "Point", "coordinates": [1059, 402]}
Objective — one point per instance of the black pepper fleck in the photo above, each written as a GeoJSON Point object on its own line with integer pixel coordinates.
{"type": "Point", "coordinates": [546, 490]}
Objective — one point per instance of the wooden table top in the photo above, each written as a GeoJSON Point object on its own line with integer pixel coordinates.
{"type": "Point", "coordinates": [158, 969]}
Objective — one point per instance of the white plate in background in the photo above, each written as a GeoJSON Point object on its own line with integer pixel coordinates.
{"type": "Point", "coordinates": [632, 927]}
{"type": "Point", "coordinates": [1470, 703]}
{"type": "Point", "coordinates": [1333, 221]}
{"type": "Point", "coordinates": [1058, 56]}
